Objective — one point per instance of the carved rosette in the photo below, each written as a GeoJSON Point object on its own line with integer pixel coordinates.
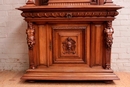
{"type": "Point", "coordinates": [108, 35]}
{"type": "Point", "coordinates": [69, 46]}
{"type": "Point", "coordinates": [30, 35]}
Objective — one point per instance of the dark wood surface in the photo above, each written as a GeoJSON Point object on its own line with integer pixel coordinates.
{"type": "Point", "coordinates": [69, 40]}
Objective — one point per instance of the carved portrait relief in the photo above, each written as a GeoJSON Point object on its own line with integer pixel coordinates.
{"type": "Point", "coordinates": [69, 46]}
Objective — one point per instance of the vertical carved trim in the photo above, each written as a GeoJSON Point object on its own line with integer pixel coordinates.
{"type": "Point", "coordinates": [108, 42]}
{"type": "Point", "coordinates": [30, 35]}
{"type": "Point", "coordinates": [108, 35]}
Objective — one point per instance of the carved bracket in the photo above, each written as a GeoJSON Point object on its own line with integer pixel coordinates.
{"type": "Point", "coordinates": [30, 35]}
{"type": "Point", "coordinates": [108, 35]}
{"type": "Point", "coordinates": [69, 46]}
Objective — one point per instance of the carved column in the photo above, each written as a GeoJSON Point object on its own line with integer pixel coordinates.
{"type": "Point", "coordinates": [31, 42]}
{"type": "Point", "coordinates": [108, 43]}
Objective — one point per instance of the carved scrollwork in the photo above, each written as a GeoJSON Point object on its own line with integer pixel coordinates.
{"type": "Point", "coordinates": [70, 15]}
{"type": "Point", "coordinates": [108, 33]}
{"type": "Point", "coordinates": [30, 35]}
{"type": "Point", "coordinates": [69, 46]}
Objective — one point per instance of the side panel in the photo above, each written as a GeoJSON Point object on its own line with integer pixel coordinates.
{"type": "Point", "coordinates": [96, 44]}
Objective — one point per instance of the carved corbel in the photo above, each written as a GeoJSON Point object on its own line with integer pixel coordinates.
{"type": "Point", "coordinates": [109, 35]}
{"type": "Point", "coordinates": [30, 35]}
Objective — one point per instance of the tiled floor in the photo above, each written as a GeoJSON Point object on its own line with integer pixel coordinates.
{"type": "Point", "coordinates": [12, 79]}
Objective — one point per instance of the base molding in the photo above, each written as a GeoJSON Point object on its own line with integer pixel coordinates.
{"type": "Point", "coordinates": [41, 74]}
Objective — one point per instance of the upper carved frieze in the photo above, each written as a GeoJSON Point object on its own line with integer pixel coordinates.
{"type": "Point", "coordinates": [69, 3]}
{"type": "Point", "coordinates": [73, 14]}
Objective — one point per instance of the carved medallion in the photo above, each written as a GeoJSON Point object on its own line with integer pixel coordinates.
{"type": "Point", "coordinates": [69, 46]}
{"type": "Point", "coordinates": [30, 36]}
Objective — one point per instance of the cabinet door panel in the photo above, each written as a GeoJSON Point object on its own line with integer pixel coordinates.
{"type": "Point", "coordinates": [68, 45]}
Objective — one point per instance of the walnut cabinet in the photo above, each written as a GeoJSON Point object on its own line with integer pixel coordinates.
{"type": "Point", "coordinates": [69, 40]}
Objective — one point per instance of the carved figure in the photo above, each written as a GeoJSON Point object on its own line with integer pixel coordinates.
{"type": "Point", "coordinates": [30, 36]}
{"type": "Point", "coordinates": [109, 32]}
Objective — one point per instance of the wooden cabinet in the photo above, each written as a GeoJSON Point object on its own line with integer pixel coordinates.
{"type": "Point", "coordinates": [69, 40]}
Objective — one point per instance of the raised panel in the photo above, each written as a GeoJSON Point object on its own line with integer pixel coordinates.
{"type": "Point", "coordinates": [42, 44]}
{"type": "Point", "coordinates": [96, 44]}
{"type": "Point", "coordinates": [69, 46]}
{"type": "Point", "coordinates": [45, 45]}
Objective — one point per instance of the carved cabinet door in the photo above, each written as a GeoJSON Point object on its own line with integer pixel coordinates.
{"type": "Point", "coordinates": [69, 44]}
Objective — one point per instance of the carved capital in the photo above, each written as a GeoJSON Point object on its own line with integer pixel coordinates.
{"type": "Point", "coordinates": [108, 35]}
{"type": "Point", "coordinates": [30, 35]}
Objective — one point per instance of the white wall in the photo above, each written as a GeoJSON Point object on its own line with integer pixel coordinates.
{"type": "Point", "coordinates": [14, 50]}
{"type": "Point", "coordinates": [121, 46]}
